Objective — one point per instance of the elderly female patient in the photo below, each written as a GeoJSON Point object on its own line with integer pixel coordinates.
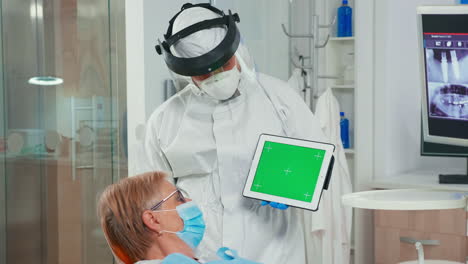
{"type": "Point", "coordinates": [147, 220]}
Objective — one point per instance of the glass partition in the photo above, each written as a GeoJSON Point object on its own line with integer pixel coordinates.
{"type": "Point", "coordinates": [2, 159]}
{"type": "Point", "coordinates": [60, 126]}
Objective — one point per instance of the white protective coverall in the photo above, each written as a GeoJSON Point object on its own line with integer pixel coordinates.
{"type": "Point", "coordinates": [334, 236]}
{"type": "Point", "coordinates": [139, 161]}
{"type": "Point", "coordinates": [208, 145]}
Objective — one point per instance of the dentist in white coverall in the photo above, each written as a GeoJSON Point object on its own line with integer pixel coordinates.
{"type": "Point", "coordinates": [206, 136]}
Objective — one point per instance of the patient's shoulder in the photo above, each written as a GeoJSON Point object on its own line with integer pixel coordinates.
{"type": "Point", "coordinates": [179, 259]}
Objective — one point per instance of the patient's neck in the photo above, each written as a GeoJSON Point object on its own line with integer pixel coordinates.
{"type": "Point", "coordinates": [154, 252]}
{"type": "Point", "coordinates": [164, 247]}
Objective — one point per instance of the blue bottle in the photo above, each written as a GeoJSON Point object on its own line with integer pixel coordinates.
{"type": "Point", "coordinates": [345, 20]}
{"type": "Point", "coordinates": [344, 128]}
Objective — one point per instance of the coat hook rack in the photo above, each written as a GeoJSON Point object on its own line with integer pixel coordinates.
{"type": "Point", "coordinates": [309, 67]}
{"type": "Point", "coordinates": [314, 50]}
{"type": "Point", "coordinates": [329, 25]}
{"type": "Point", "coordinates": [296, 35]}
{"type": "Point", "coordinates": [324, 44]}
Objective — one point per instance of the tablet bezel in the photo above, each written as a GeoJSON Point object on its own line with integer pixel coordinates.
{"type": "Point", "coordinates": [329, 149]}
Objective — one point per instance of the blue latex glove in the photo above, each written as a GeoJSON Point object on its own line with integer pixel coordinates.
{"type": "Point", "coordinates": [229, 256]}
{"type": "Point", "coordinates": [275, 205]}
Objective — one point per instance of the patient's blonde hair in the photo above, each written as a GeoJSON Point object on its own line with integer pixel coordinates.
{"type": "Point", "coordinates": [120, 210]}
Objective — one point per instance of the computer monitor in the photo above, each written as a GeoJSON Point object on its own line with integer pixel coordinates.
{"type": "Point", "coordinates": [443, 32]}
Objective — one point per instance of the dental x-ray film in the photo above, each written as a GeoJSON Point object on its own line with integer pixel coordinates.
{"type": "Point", "coordinates": [447, 75]}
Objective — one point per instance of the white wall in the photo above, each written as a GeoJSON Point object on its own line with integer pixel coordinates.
{"type": "Point", "coordinates": [135, 72]}
{"type": "Point", "coordinates": [364, 123]}
{"type": "Point", "coordinates": [260, 28]}
{"type": "Point", "coordinates": [397, 91]}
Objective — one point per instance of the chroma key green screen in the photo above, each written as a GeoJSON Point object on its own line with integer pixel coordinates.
{"type": "Point", "coordinates": [288, 171]}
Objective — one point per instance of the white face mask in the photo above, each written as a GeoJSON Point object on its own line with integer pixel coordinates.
{"type": "Point", "coordinates": [223, 85]}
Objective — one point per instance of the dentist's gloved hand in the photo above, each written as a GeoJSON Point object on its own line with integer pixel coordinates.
{"type": "Point", "coordinates": [275, 205]}
{"type": "Point", "coordinates": [229, 256]}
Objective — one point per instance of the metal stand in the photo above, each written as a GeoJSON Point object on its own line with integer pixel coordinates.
{"type": "Point", "coordinates": [454, 178]}
{"type": "Point", "coordinates": [313, 66]}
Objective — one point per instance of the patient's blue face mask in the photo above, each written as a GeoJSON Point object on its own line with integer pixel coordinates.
{"type": "Point", "coordinates": [194, 225]}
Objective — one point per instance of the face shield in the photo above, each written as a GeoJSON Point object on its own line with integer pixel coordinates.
{"type": "Point", "coordinates": [187, 65]}
{"type": "Point", "coordinates": [202, 41]}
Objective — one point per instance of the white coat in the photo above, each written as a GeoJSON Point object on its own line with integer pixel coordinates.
{"type": "Point", "coordinates": [209, 148]}
{"type": "Point", "coordinates": [333, 235]}
{"type": "Point", "coordinates": [296, 81]}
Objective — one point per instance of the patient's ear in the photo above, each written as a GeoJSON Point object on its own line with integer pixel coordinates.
{"type": "Point", "coordinates": [151, 220]}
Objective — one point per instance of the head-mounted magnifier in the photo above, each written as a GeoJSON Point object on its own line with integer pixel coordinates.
{"type": "Point", "coordinates": [207, 62]}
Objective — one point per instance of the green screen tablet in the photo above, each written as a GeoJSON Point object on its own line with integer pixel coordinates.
{"type": "Point", "coordinates": [289, 171]}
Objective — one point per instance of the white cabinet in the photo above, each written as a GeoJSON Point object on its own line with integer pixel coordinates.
{"type": "Point", "coordinates": [340, 62]}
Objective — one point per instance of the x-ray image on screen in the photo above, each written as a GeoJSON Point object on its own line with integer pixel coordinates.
{"type": "Point", "coordinates": [447, 81]}
{"type": "Point", "coordinates": [444, 46]}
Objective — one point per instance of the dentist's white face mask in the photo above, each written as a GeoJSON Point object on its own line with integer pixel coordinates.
{"type": "Point", "coordinates": [222, 85]}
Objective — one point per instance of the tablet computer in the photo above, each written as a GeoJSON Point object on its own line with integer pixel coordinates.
{"type": "Point", "coordinates": [290, 171]}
